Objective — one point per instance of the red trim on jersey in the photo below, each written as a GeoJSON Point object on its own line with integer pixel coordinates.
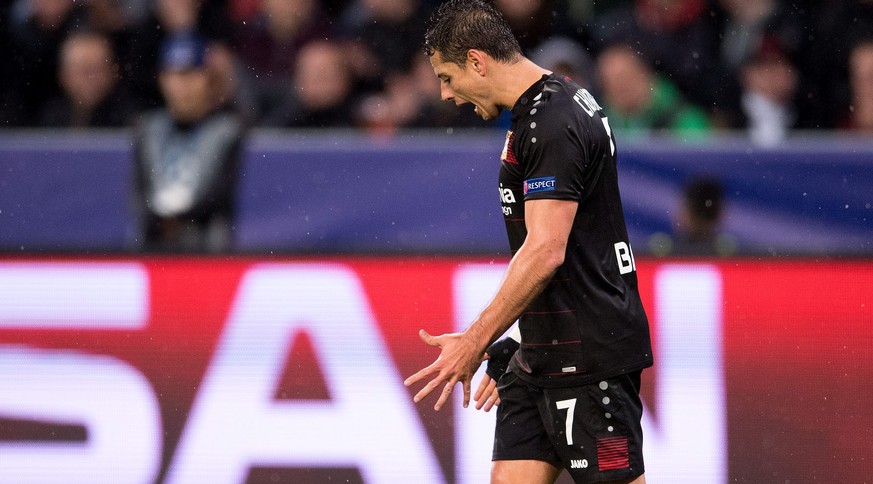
{"type": "Point", "coordinates": [551, 312]}
{"type": "Point", "coordinates": [508, 154]}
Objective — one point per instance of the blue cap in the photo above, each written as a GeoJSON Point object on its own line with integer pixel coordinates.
{"type": "Point", "coordinates": [182, 51]}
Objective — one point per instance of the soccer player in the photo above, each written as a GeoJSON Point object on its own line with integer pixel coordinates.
{"type": "Point", "coordinates": [570, 398]}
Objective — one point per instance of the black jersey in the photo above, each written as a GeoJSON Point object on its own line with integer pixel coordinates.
{"type": "Point", "coordinates": [589, 322]}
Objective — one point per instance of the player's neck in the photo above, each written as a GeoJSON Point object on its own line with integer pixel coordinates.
{"type": "Point", "coordinates": [514, 79]}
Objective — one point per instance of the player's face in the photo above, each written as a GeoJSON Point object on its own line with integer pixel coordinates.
{"type": "Point", "coordinates": [464, 85]}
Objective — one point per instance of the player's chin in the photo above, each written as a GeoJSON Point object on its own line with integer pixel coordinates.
{"type": "Point", "coordinates": [483, 113]}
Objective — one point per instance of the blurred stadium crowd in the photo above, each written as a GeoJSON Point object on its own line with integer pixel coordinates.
{"type": "Point", "coordinates": [691, 67]}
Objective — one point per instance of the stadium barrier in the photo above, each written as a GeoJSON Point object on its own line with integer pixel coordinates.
{"type": "Point", "coordinates": [428, 192]}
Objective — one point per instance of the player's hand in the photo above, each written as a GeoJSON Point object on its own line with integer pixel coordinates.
{"type": "Point", "coordinates": [486, 396]}
{"type": "Point", "coordinates": [458, 360]}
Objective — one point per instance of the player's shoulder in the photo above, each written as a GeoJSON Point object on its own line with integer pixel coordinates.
{"type": "Point", "coordinates": [558, 104]}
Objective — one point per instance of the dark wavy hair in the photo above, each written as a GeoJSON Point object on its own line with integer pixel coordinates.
{"type": "Point", "coordinates": [460, 25]}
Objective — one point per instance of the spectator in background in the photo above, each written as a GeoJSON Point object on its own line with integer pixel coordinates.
{"type": "Point", "coordinates": [580, 16]}
{"type": "Point", "coordinates": [836, 28]}
{"type": "Point", "coordinates": [116, 16]}
{"type": "Point", "coordinates": [412, 100]}
{"type": "Point", "coordinates": [321, 91]}
{"type": "Point", "coordinates": [698, 228]}
{"type": "Point", "coordinates": [748, 22]}
{"type": "Point", "coordinates": [124, 23]}
{"type": "Point", "coordinates": [532, 21]}
{"type": "Point", "coordinates": [139, 53]}
{"type": "Point", "coordinates": [37, 29]}
{"type": "Point", "coordinates": [753, 25]}
{"type": "Point", "coordinates": [243, 11]}
{"type": "Point", "coordinates": [91, 94]}
{"type": "Point", "coordinates": [119, 20]}
{"type": "Point", "coordinates": [640, 102]}
{"type": "Point", "coordinates": [5, 61]}
{"type": "Point", "coordinates": [269, 44]}
{"type": "Point", "coordinates": [203, 18]}
{"type": "Point", "coordinates": [187, 156]}
{"type": "Point", "coordinates": [860, 117]}
{"type": "Point", "coordinates": [769, 81]}
{"type": "Point", "coordinates": [236, 89]}
{"type": "Point", "coordinates": [680, 39]}
{"type": "Point", "coordinates": [390, 29]}
{"type": "Point", "coordinates": [568, 58]}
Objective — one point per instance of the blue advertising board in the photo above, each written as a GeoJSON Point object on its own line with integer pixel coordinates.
{"type": "Point", "coordinates": [430, 192]}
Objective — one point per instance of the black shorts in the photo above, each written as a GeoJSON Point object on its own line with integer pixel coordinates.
{"type": "Point", "coordinates": [594, 431]}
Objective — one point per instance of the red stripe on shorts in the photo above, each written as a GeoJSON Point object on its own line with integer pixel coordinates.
{"type": "Point", "coordinates": [612, 453]}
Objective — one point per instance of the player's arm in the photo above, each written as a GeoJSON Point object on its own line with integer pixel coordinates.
{"type": "Point", "coordinates": [548, 225]}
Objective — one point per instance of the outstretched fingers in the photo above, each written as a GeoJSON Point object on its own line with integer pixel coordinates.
{"type": "Point", "coordinates": [447, 392]}
{"type": "Point", "coordinates": [424, 372]}
{"type": "Point", "coordinates": [481, 388]}
{"type": "Point", "coordinates": [486, 394]}
{"type": "Point", "coordinates": [419, 375]}
{"type": "Point", "coordinates": [444, 396]}
{"type": "Point", "coordinates": [448, 369]}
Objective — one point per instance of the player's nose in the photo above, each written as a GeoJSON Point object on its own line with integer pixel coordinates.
{"type": "Point", "coordinates": [445, 93]}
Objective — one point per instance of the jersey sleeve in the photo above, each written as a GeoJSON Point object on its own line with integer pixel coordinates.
{"type": "Point", "coordinates": [554, 154]}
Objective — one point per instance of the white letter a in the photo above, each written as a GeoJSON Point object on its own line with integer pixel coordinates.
{"type": "Point", "coordinates": [370, 423]}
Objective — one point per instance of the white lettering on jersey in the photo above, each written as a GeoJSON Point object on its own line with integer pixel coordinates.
{"type": "Point", "coordinates": [605, 122]}
{"type": "Point", "coordinates": [506, 195]}
{"type": "Point", "coordinates": [589, 104]}
{"type": "Point", "coordinates": [625, 258]}
{"type": "Point", "coordinates": [586, 100]}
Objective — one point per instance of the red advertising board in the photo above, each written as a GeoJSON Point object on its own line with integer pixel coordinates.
{"type": "Point", "coordinates": [193, 370]}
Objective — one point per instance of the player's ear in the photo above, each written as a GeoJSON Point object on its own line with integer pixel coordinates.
{"type": "Point", "coordinates": [476, 60]}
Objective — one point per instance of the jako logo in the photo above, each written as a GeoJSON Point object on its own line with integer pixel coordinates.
{"type": "Point", "coordinates": [578, 463]}
{"type": "Point", "coordinates": [535, 185]}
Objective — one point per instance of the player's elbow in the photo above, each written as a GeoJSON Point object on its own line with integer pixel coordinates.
{"type": "Point", "coordinates": [556, 257]}
{"type": "Point", "coordinates": [552, 254]}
